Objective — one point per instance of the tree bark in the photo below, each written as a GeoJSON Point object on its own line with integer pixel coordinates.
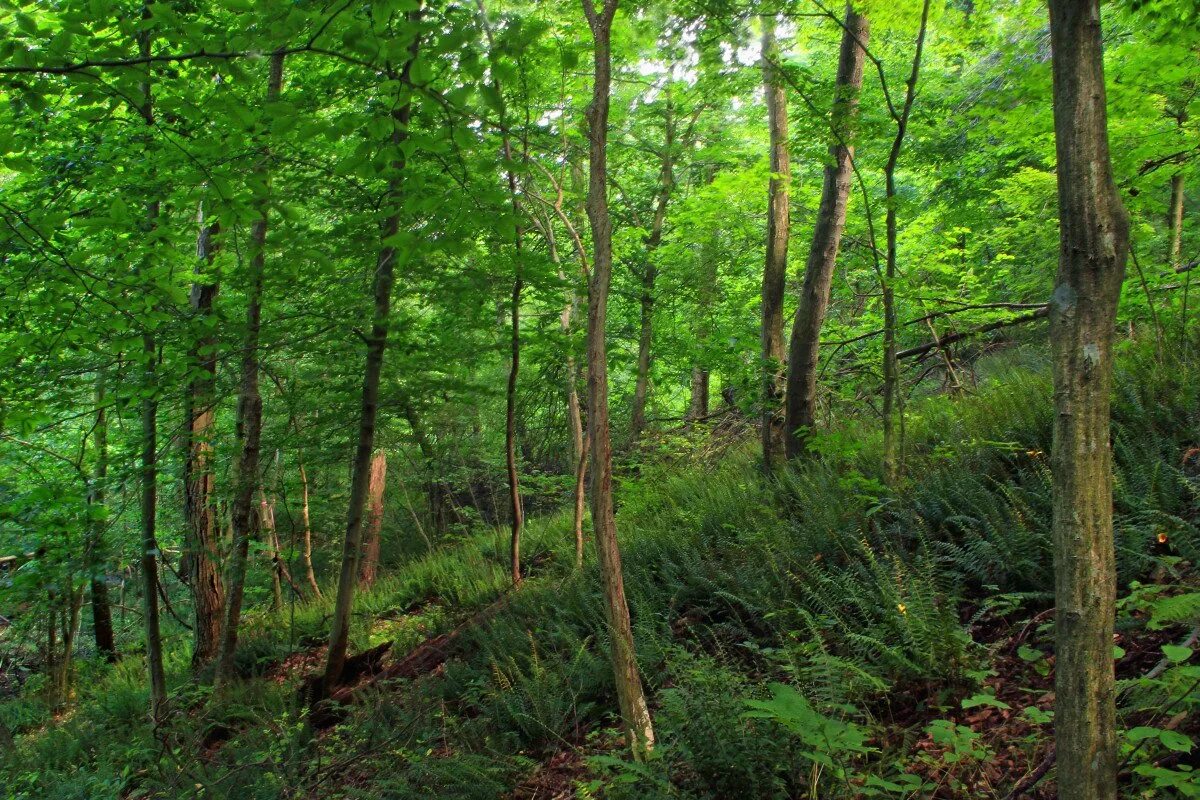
{"type": "Point", "coordinates": [306, 520]}
{"type": "Point", "coordinates": [631, 698]}
{"type": "Point", "coordinates": [580, 499]}
{"type": "Point", "coordinates": [199, 503]}
{"type": "Point", "coordinates": [266, 526]}
{"type": "Point", "coordinates": [1093, 246]}
{"type": "Point", "coordinates": [893, 461]}
{"type": "Point", "coordinates": [102, 625]}
{"type": "Point", "coordinates": [149, 455]}
{"type": "Point", "coordinates": [339, 634]}
{"type": "Point", "coordinates": [775, 268]}
{"type": "Point", "coordinates": [1175, 221]}
{"type": "Point", "coordinates": [249, 412]}
{"type": "Point", "coordinates": [803, 361]}
{"type": "Point", "coordinates": [369, 567]}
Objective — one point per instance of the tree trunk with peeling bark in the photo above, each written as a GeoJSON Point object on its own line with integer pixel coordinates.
{"type": "Point", "coordinates": [804, 347]}
{"type": "Point", "coordinates": [201, 549]}
{"type": "Point", "coordinates": [372, 539]}
{"type": "Point", "coordinates": [1093, 246]}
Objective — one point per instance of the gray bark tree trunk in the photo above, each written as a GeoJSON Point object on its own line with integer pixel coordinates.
{"type": "Point", "coordinates": [1093, 245]}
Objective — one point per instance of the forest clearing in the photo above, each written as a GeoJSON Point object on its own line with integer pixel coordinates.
{"type": "Point", "coordinates": [612, 399]}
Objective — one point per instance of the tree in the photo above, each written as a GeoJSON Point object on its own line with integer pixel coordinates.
{"type": "Point", "coordinates": [368, 569]}
{"type": "Point", "coordinates": [774, 279]}
{"type": "Point", "coordinates": [1093, 245]}
{"type": "Point", "coordinates": [801, 395]}
{"type": "Point", "coordinates": [249, 412]}
{"type": "Point", "coordinates": [339, 633]}
{"type": "Point", "coordinates": [199, 501]}
{"type": "Point", "coordinates": [631, 698]}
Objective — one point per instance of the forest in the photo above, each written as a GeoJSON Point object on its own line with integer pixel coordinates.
{"type": "Point", "coordinates": [613, 399]}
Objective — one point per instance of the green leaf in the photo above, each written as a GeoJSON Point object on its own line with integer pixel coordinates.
{"type": "Point", "coordinates": [1176, 653]}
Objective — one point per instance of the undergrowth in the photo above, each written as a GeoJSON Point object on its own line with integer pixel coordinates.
{"type": "Point", "coordinates": [773, 620]}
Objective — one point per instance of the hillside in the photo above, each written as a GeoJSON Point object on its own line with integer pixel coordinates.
{"type": "Point", "coordinates": [811, 636]}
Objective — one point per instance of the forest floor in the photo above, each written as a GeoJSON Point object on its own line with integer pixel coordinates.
{"type": "Point", "coordinates": [813, 636]}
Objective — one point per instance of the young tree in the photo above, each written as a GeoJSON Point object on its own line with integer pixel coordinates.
{"type": "Point", "coordinates": [635, 714]}
{"type": "Point", "coordinates": [385, 277]}
{"type": "Point", "coordinates": [1093, 245]}
{"type": "Point", "coordinates": [249, 412]}
{"type": "Point", "coordinates": [778, 229]}
{"type": "Point", "coordinates": [801, 395]}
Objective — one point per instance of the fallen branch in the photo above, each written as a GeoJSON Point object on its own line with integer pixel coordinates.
{"type": "Point", "coordinates": [951, 338]}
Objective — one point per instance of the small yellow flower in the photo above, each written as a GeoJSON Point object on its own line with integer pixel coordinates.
{"type": "Point", "coordinates": [1162, 537]}
{"type": "Point", "coordinates": [903, 609]}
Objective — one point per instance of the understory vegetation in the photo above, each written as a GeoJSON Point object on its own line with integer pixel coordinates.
{"type": "Point", "coordinates": [812, 636]}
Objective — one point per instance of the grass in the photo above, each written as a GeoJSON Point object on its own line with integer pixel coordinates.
{"type": "Point", "coordinates": [821, 580]}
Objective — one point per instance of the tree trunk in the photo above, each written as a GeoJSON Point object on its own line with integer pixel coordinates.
{"type": "Point", "coordinates": [893, 459]}
{"type": "Point", "coordinates": [1093, 245]}
{"type": "Point", "coordinates": [249, 412]}
{"type": "Point", "coordinates": [801, 402]}
{"type": "Point", "coordinates": [339, 634]}
{"type": "Point", "coordinates": [149, 455]}
{"type": "Point", "coordinates": [266, 526]}
{"type": "Point", "coordinates": [580, 499]}
{"type": "Point", "coordinates": [630, 696]}
{"type": "Point", "coordinates": [1175, 221]}
{"type": "Point", "coordinates": [102, 626]}
{"type": "Point", "coordinates": [369, 567]}
{"type": "Point", "coordinates": [775, 268]}
{"type": "Point", "coordinates": [199, 504]}
{"type": "Point", "coordinates": [666, 186]}
{"type": "Point", "coordinates": [309, 573]}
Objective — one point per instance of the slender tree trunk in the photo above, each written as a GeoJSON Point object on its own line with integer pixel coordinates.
{"type": "Point", "coordinates": [149, 456]}
{"type": "Point", "coordinates": [666, 186]}
{"type": "Point", "coordinates": [893, 433]}
{"type": "Point", "coordinates": [801, 403]}
{"type": "Point", "coordinates": [102, 625]}
{"type": "Point", "coordinates": [369, 566]}
{"type": "Point", "coordinates": [199, 504]}
{"type": "Point", "coordinates": [631, 698]}
{"type": "Point", "coordinates": [339, 634]}
{"type": "Point", "coordinates": [249, 412]}
{"type": "Point", "coordinates": [266, 526]}
{"type": "Point", "coordinates": [306, 520]}
{"type": "Point", "coordinates": [1093, 245]}
{"type": "Point", "coordinates": [775, 268]}
{"type": "Point", "coordinates": [580, 499]}
{"type": "Point", "coordinates": [1175, 220]}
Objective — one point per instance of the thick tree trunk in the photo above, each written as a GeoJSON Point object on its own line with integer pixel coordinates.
{"type": "Point", "coordinates": [372, 539]}
{"type": "Point", "coordinates": [199, 504]}
{"type": "Point", "coordinates": [149, 456]}
{"type": "Point", "coordinates": [698, 404]}
{"type": "Point", "coordinates": [775, 269]}
{"type": "Point", "coordinates": [801, 401]}
{"type": "Point", "coordinates": [893, 428]}
{"type": "Point", "coordinates": [1094, 243]}
{"type": "Point", "coordinates": [249, 412]}
{"type": "Point", "coordinates": [339, 634]}
{"type": "Point", "coordinates": [102, 625]}
{"type": "Point", "coordinates": [306, 520]}
{"type": "Point", "coordinates": [630, 696]}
